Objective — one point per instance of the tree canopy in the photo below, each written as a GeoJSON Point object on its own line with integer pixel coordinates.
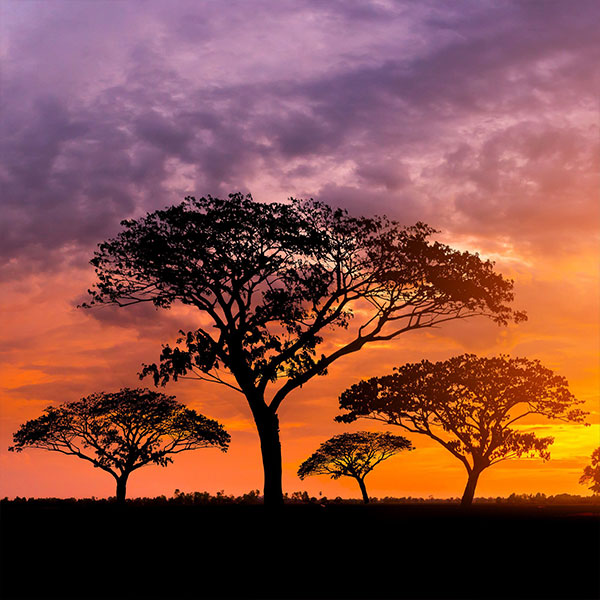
{"type": "Point", "coordinates": [122, 431]}
{"type": "Point", "coordinates": [468, 405]}
{"type": "Point", "coordinates": [353, 455]}
{"type": "Point", "coordinates": [272, 279]}
{"type": "Point", "coordinates": [591, 473]}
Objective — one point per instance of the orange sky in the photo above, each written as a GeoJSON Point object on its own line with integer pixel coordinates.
{"type": "Point", "coordinates": [479, 119]}
{"type": "Point", "coordinates": [54, 352]}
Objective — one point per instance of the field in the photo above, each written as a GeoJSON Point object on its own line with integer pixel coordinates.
{"type": "Point", "coordinates": [101, 550]}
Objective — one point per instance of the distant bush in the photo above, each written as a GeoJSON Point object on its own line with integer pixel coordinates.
{"type": "Point", "coordinates": [180, 498]}
{"type": "Point", "coordinates": [543, 499]}
{"type": "Point", "coordinates": [252, 497]}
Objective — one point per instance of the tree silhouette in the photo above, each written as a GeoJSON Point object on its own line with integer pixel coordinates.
{"type": "Point", "coordinates": [353, 455]}
{"type": "Point", "coordinates": [591, 473]}
{"type": "Point", "coordinates": [271, 280]}
{"type": "Point", "coordinates": [121, 432]}
{"type": "Point", "coordinates": [468, 405]}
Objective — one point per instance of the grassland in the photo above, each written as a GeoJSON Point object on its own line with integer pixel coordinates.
{"type": "Point", "coordinates": [100, 550]}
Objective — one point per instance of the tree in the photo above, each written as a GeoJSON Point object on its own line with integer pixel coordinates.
{"type": "Point", "coordinates": [271, 280]}
{"type": "Point", "coordinates": [353, 455]}
{"type": "Point", "coordinates": [121, 432]}
{"type": "Point", "coordinates": [591, 473]}
{"type": "Point", "coordinates": [468, 405]}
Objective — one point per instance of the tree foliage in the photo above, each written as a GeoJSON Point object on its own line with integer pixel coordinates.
{"type": "Point", "coordinates": [122, 431]}
{"type": "Point", "coordinates": [591, 473]}
{"type": "Point", "coordinates": [272, 276]}
{"type": "Point", "coordinates": [353, 455]}
{"type": "Point", "coordinates": [468, 405]}
{"type": "Point", "coordinates": [272, 279]}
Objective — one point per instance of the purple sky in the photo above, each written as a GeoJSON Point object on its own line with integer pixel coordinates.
{"type": "Point", "coordinates": [476, 117]}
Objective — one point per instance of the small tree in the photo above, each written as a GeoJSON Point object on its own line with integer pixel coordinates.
{"type": "Point", "coordinates": [353, 455]}
{"type": "Point", "coordinates": [272, 281]}
{"type": "Point", "coordinates": [591, 473]}
{"type": "Point", "coordinates": [121, 432]}
{"type": "Point", "coordinates": [468, 405]}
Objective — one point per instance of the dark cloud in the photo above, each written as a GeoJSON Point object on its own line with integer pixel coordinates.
{"type": "Point", "coordinates": [390, 174]}
{"type": "Point", "coordinates": [149, 322]}
{"type": "Point", "coordinates": [410, 109]}
{"type": "Point", "coordinates": [165, 134]}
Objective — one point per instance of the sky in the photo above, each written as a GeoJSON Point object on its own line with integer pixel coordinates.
{"type": "Point", "coordinates": [478, 118]}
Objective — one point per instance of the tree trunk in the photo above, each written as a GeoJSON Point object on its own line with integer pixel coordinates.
{"type": "Point", "coordinates": [469, 492]}
{"type": "Point", "coordinates": [267, 424]}
{"type": "Point", "coordinates": [363, 489]}
{"type": "Point", "coordinates": [121, 487]}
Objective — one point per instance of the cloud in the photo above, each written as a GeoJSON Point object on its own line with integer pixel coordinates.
{"type": "Point", "coordinates": [149, 322]}
{"type": "Point", "coordinates": [429, 106]}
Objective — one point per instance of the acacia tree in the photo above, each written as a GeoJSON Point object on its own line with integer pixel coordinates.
{"type": "Point", "coordinates": [468, 405]}
{"type": "Point", "coordinates": [271, 280]}
{"type": "Point", "coordinates": [353, 455]}
{"type": "Point", "coordinates": [591, 473]}
{"type": "Point", "coordinates": [121, 432]}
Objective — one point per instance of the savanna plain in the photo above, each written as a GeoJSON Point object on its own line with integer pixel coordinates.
{"type": "Point", "coordinates": [100, 549]}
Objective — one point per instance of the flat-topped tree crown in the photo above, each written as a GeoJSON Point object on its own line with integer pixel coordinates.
{"type": "Point", "coordinates": [272, 276]}
{"type": "Point", "coordinates": [274, 279]}
{"type": "Point", "coordinates": [353, 455]}
{"type": "Point", "coordinates": [121, 432]}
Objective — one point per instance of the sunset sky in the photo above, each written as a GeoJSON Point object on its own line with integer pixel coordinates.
{"type": "Point", "coordinates": [478, 118]}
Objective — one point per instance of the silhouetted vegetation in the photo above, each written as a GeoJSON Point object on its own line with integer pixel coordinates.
{"type": "Point", "coordinates": [273, 279]}
{"type": "Point", "coordinates": [254, 497]}
{"type": "Point", "coordinates": [121, 432]}
{"type": "Point", "coordinates": [591, 473]}
{"type": "Point", "coordinates": [467, 404]}
{"type": "Point", "coordinates": [353, 455]}
{"type": "Point", "coordinates": [186, 547]}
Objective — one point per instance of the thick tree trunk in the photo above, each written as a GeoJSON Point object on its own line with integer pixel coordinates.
{"type": "Point", "coordinates": [469, 492]}
{"type": "Point", "coordinates": [267, 424]}
{"type": "Point", "coordinates": [121, 488]}
{"type": "Point", "coordinates": [363, 489]}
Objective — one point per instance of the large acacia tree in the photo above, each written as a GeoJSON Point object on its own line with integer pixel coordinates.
{"type": "Point", "coordinates": [353, 455]}
{"type": "Point", "coordinates": [272, 281]}
{"type": "Point", "coordinates": [468, 405]}
{"type": "Point", "coordinates": [121, 432]}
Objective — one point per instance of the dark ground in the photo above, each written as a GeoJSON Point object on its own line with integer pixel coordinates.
{"type": "Point", "coordinates": [72, 551]}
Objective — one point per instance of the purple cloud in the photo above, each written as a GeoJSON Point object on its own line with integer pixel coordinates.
{"type": "Point", "coordinates": [480, 118]}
